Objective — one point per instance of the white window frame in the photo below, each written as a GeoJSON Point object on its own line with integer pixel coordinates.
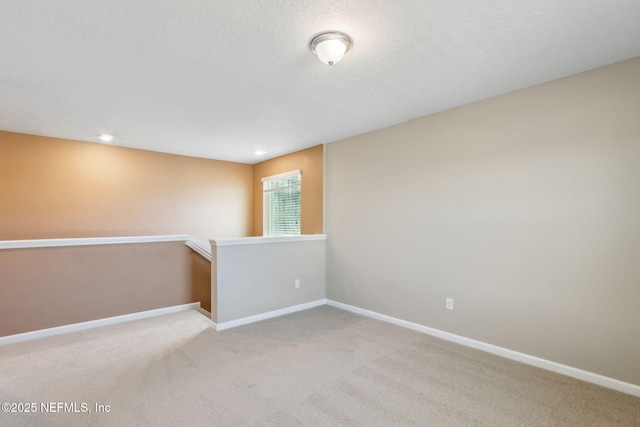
{"type": "Point", "coordinates": [269, 228]}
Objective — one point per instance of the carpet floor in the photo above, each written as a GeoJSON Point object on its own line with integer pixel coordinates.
{"type": "Point", "coordinates": [323, 366]}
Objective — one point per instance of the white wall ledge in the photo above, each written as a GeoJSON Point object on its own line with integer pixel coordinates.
{"type": "Point", "coordinates": [89, 241]}
{"type": "Point", "coordinates": [261, 239]}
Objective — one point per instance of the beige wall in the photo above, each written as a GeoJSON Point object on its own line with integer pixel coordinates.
{"type": "Point", "coordinates": [48, 287]}
{"type": "Point", "coordinates": [524, 208]}
{"type": "Point", "coordinates": [52, 188]}
{"type": "Point", "coordinates": [310, 161]}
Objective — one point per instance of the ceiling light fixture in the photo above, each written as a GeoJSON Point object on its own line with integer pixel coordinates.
{"type": "Point", "coordinates": [106, 137]}
{"type": "Point", "coordinates": [331, 46]}
{"type": "Point", "coordinates": [259, 152]}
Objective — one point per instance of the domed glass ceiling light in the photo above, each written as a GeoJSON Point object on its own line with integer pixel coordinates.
{"type": "Point", "coordinates": [331, 46]}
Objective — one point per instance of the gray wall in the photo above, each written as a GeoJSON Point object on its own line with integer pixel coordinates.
{"type": "Point", "coordinates": [253, 279]}
{"type": "Point", "coordinates": [524, 208]}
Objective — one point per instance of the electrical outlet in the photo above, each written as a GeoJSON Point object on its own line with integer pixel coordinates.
{"type": "Point", "coordinates": [297, 283]}
{"type": "Point", "coordinates": [449, 303]}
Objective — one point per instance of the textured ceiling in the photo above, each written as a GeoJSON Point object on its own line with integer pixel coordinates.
{"type": "Point", "coordinates": [222, 78]}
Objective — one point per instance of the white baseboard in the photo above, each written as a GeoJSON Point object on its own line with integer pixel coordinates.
{"type": "Point", "coordinates": [559, 368]}
{"type": "Point", "coordinates": [10, 339]}
{"type": "Point", "coordinates": [203, 311]}
{"type": "Point", "coordinates": [263, 316]}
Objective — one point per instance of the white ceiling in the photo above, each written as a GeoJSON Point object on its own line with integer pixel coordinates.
{"type": "Point", "coordinates": [222, 78]}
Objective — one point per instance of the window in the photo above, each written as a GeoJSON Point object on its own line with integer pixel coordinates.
{"type": "Point", "coordinates": [281, 204]}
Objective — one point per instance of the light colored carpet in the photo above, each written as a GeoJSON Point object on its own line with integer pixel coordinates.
{"type": "Point", "coordinates": [322, 366]}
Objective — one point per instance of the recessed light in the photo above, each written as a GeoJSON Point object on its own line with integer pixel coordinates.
{"type": "Point", "coordinates": [259, 152]}
{"type": "Point", "coordinates": [106, 137]}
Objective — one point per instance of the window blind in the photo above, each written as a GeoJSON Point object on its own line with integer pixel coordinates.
{"type": "Point", "coordinates": [281, 204]}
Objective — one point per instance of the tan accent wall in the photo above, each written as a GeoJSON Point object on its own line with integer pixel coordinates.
{"type": "Point", "coordinates": [524, 208]}
{"type": "Point", "coordinates": [48, 287]}
{"type": "Point", "coordinates": [56, 188]}
{"type": "Point", "coordinates": [310, 161]}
